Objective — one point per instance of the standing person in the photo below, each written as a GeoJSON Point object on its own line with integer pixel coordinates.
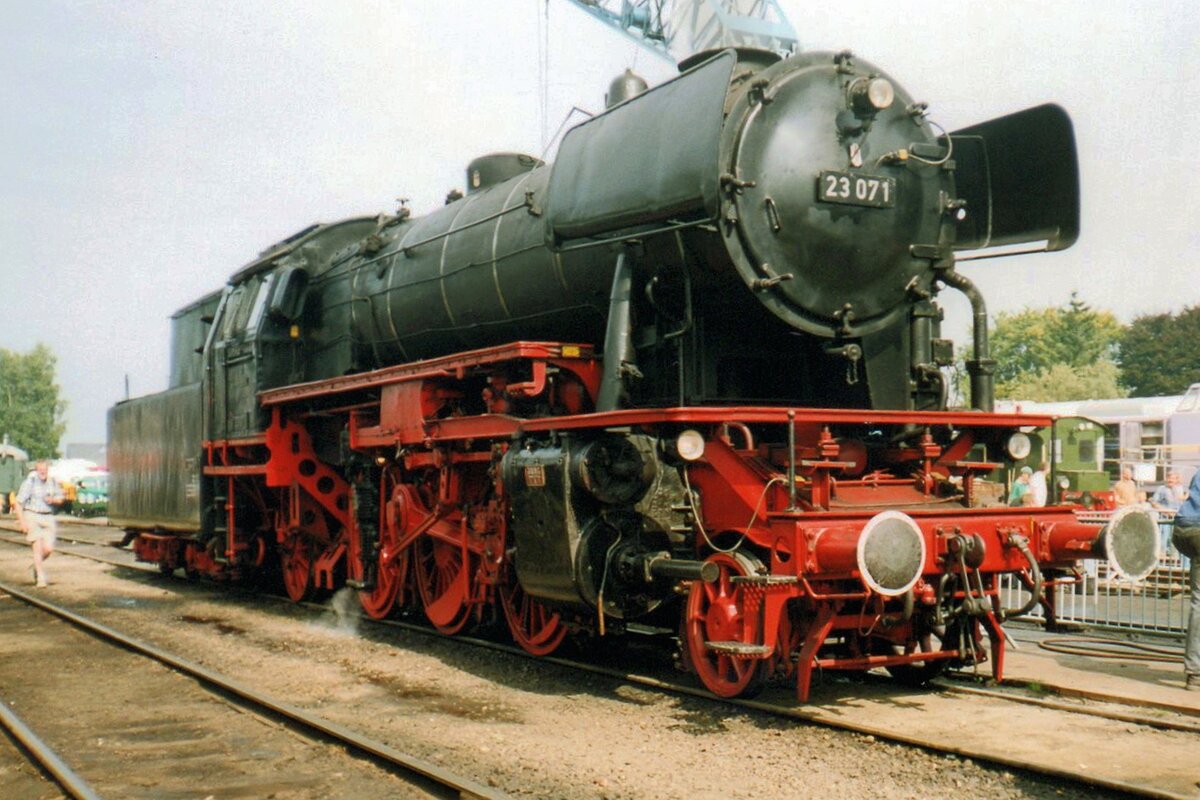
{"type": "Point", "coordinates": [35, 516]}
{"type": "Point", "coordinates": [1168, 498]}
{"type": "Point", "coordinates": [1186, 539]}
{"type": "Point", "coordinates": [1038, 493]}
{"type": "Point", "coordinates": [1125, 490]}
{"type": "Point", "coordinates": [1020, 488]}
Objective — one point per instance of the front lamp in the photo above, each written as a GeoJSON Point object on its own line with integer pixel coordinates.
{"type": "Point", "coordinates": [869, 95]}
{"type": "Point", "coordinates": [1019, 446]}
{"type": "Point", "coordinates": [690, 445]}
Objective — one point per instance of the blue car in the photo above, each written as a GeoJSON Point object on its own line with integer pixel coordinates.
{"type": "Point", "coordinates": [91, 496]}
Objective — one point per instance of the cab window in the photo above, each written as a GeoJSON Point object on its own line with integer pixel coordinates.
{"type": "Point", "coordinates": [232, 306]}
{"type": "Point", "coordinates": [247, 304]}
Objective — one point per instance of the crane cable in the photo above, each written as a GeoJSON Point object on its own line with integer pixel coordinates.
{"type": "Point", "coordinates": [544, 69]}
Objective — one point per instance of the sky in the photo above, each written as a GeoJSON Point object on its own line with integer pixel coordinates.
{"type": "Point", "coordinates": [150, 149]}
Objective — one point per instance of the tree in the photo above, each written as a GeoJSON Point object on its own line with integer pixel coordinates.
{"type": "Point", "coordinates": [1062, 382]}
{"type": "Point", "coordinates": [1060, 353]}
{"type": "Point", "coordinates": [31, 408]}
{"type": "Point", "coordinates": [1159, 354]}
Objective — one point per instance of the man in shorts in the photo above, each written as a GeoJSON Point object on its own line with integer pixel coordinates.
{"type": "Point", "coordinates": [35, 516]}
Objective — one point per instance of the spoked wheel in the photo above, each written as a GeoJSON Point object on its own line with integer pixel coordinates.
{"type": "Point", "coordinates": [444, 582]}
{"type": "Point", "coordinates": [536, 628]}
{"type": "Point", "coordinates": [391, 567]}
{"type": "Point", "coordinates": [296, 564]}
{"type": "Point", "coordinates": [717, 629]}
{"type": "Point", "coordinates": [390, 573]}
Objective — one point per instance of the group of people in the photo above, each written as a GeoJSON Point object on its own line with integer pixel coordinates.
{"type": "Point", "coordinates": [1030, 487]}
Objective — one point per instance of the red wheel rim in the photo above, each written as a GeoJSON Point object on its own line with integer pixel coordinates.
{"type": "Point", "coordinates": [391, 570]}
{"type": "Point", "coordinates": [443, 580]}
{"type": "Point", "coordinates": [296, 562]}
{"type": "Point", "coordinates": [389, 578]}
{"type": "Point", "coordinates": [715, 613]}
{"type": "Point", "coordinates": [536, 628]}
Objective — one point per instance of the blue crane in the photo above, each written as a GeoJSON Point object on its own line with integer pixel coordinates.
{"type": "Point", "coordinates": [675, 29]}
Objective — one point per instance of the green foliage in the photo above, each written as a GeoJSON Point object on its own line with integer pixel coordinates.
{"type": "Point", "coordinates": [1160, 353]}
{"type": "Point", "coordinates": [31, 408]}
{"type": "Point", "coordinates": [1063, 382]}
{"type": "Point", "coordinates": [1033, 340]}
{"type": "Point", "coordinates": [1056, 353]}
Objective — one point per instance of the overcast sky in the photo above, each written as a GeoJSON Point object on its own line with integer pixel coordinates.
{"type": "Point", "coordinates": [148, 149]}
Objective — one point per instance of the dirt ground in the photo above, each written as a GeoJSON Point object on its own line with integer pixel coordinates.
{"type": "Point", "coordinates": [529, 728]}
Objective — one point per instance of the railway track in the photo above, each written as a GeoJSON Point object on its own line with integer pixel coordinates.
{"type": "Point", "coordinates": [872, 709]}
{"type": "Point", "coordinates": [44, 756]}
{"type": "Point", "coordinates": [279, 732]}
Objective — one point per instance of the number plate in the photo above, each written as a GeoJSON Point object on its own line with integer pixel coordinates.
{"type": "Point", "coordinates": [854, 189]}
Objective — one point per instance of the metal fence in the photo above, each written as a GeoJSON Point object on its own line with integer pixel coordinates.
{"type": "Point", "coordinates": [1158, 603]}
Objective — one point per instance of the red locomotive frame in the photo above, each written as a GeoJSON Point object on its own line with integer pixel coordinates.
{"type": "Point", "coordinates": [790, 599]}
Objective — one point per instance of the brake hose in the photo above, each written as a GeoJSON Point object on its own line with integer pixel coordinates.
{"type": "Point", "coordinates": [1035, 571]}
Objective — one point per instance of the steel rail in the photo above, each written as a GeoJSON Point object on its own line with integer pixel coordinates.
{"type": "Point", "coordinates": [809, 715]}
{"type": "Point", "coordinates": [819, 717]}
{"type": "Point", "coordinates": [45, 756]}
{"type": "Point", "coordinates": [433, 776]}
{"type": "Point", "coordinates": [944, 684]}
{"type": "Point", "coordinates": [1116, 716]}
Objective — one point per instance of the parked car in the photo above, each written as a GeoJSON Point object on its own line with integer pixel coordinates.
{"type": "Point", "coordinates": [91, 496]}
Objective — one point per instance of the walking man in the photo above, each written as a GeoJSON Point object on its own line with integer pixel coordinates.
{"type": "Point", "coordinates": [35, 516]}
{"type": "Point", "coordinates": [1186, 539]}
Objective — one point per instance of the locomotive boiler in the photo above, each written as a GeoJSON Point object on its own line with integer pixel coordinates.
{"type": "Point", "coordinates": [690, 373]}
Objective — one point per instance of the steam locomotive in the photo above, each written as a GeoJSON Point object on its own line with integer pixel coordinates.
{"type": "Point", "coordinates": [691, 373]}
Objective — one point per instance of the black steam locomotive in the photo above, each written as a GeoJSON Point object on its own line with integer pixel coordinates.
{"type": "Point", "coordinates": [697, 357]}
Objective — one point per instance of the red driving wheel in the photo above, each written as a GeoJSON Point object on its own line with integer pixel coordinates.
{"type": "Point", "coordinates": [391, 568]}
{"type": "Point", "coordinates": [296, 563]}
{"type": "Point", "coordinates": [536, 628]}
{"type": "Point", "coordinates": [715, 614]}
{"type": "Point", "coordinates": [443, 573]}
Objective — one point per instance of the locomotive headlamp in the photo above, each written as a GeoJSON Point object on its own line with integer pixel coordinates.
{"type": "Point", "coordinates": [690, 445]}
{"type": "Point", "coordinates": [1064, 482]}
{"type": "Point", "coordinates": [869, 95]}
{"type": "Point", "coordinates": [1019, 446]}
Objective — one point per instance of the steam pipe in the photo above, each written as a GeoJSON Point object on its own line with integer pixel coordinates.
{"type": "Point", "coordinates": [617, 334]}
{"type": "Point", "coordinates": [982, 368]}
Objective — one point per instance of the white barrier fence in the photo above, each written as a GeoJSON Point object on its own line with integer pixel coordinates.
{"type": "Point", "coordinates": [1159, 603]}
